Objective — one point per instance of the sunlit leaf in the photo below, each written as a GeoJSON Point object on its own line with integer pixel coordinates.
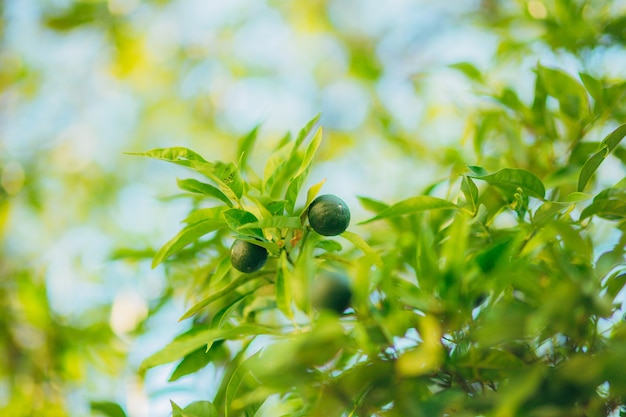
{"type": "Point", "coordinates": [360, 243]}
{"type": "Point", "coordinates": [372, 205]}
{"type": "Point", "coordinates": [312, 192]}
{"type": "Point", "coordinates": [300, 176]}
{"type": "Point", "coordinates": [594, 87]}
{"type": "Point", "coordinates": [199, 187]}
{"type": "Point", "coordinates": [609, 143]}
{"type": "Point", "coordinates": [236, 218]}
{"type": "Point", "coordinates": [182, 346]}
{"type": "Point", "coordinates": [571, 95]}
{"type": "Point", "coordinates": [107, 408]}
{"type": "Point", "coordinates": [470, 191]}
{"type": "Point", "coordinates": [516, 177]}
{"type": "Point", "coordinates": [306, 130]}
{"type": "Point", "coordinates": [283, 292]}
{"type": "Point", "coordinates": [224, 291]}
{"type": "Point", "coordinates": [275, 222]}
{"type": "Point", "coordinates": [413, 205]}
{"type": "Point", "coordinates": [310, 152]}
{"type": "Point", "coordinates": [188, 235]}
{"type": "Point", "coordinates": [329, 245]}
{"type": "Point", "coordinates": [607, 209]}
{"type": "Point", "coordinates": [469, 70]}
{"type": "Point", "coordinates": [195, 361]}
{"type": "Point", "coordinates": [245, 147]}
{"type": "Point", "coordinates": [228, 175]}
{"type": "Point", "coordinates": [225, 175]}
{"type": "Point", "coordinates": [195, 409]}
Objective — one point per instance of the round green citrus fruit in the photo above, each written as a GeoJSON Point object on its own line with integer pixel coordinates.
{"type": "Point", "coordinates": [329, 215]}
{"type": "Point", "coordinates": [331, 291]}
{"type": "Point", "coordinates": [247, 257]}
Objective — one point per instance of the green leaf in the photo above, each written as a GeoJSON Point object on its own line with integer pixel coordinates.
{"type": "Point", "coordinates": [108, 408]}
{"type": "Point", "coordinates": [186, 236]}
{"type": "Point", "coordinates": [607, 209]}
{"type": "Point", "coordinates": [480, 171]}
{"type": "Point", "coordinates": [372, 205]}
{"type": "Point", "coordinates": [311, 193]}
{"type": "Point", "coordinates": [225, 175]}
{"type": "Point", "coordinates": [329, 245]}
{"type": "Point", "coordinates": [235, 218]}
{"type": "Point", "coordinates": [300, 176]}
{"type": "Point", "coordinates": [274, 221]}
{"type": "Point", "coordinates": [272, 247]}
{"type": "Point", "coordinates": [310, 152]}
{"type": "Point", "coordinates": [283, 291]}
{"type": "Point", "coordinates": [222, 292]}
{"type": "Point", "coordinates": [571, 96]}
{"type": "Point", "coordinates": [469, 70]}
{"type": "Point", "coordinates": [195, 409]}
{"type": "Point", "coordinates": [577, 197]}
{"type": "Point", "coordinates": [195, 361]}
{"type": "Point", "coordinates": [237, 379]}
{"type": "Point", "coordinates": [200, 215]}
{"type": "Point", "coordinates": [195, 186]}
{"type": "Point", "coordinates": [608, 144]}
{"type": "Point", "coordinates": [229, 176]}
{"type": "Point", "coordinates": [470, 191]}
{"type": "Point", "coordinates": [413, 205]}
{"type": "Point", "coordinates": [246, 144]}
{"type": "Point", "coordinates": [594, 87]}
{"type": "Point", "coordinates": [361, 244]}
{"type": "Point", "coordinates": [180, 156]}
{"type": "Point", "coordinates": [185, 344]}
{"type": "Point", "coordinates": [308, 128]}
{"type": "Point", "coordinates": [516, 177]}
{"type": "Point", "coordinates": [175, 154]}
{"type": "Point", "coordinates": [615, 284]}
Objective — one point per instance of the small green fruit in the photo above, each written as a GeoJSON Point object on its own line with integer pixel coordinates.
{"type": "Point", "coordinates": [247, 257]}
{"type": "Point", "coordinates": [329, 215]}
{"type": "Point", "coordinates": [331, 291]}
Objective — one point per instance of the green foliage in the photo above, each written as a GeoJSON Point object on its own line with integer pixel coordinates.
{"type": "Point", "coordinates": [496, 289]}
{"type": "Point", "coordinates": [490, 301]}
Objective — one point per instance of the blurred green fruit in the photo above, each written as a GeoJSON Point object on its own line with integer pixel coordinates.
{"type": "Point", "coordinates": [331, 291]}
{"type": "Point", "coordinates": [329, 215]}
{"type": "Point", "coordinates": [247, 257]}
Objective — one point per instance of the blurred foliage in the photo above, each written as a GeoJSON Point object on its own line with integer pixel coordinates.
{"type": "Point", "coordinates": [486, 281]}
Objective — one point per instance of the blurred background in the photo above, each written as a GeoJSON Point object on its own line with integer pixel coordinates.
{"type": "Point", "coordinates": [83, 81]}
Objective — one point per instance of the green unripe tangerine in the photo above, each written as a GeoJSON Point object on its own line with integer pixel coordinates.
{"type": "Point", "coordinates": [331, 292]}
{"type": "Point", "coordinates": [247, 257]}
{"type": "Point", "coordinates": [329, 215]}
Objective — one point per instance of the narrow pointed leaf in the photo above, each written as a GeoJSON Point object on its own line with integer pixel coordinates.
{"type": "Point", "coordinates": [186, 236]}
{"type": "Point", "coordinates": [246, 144]}
{"type": "Point", "coordinates": [470, 191]}
{"type": "Point", "coordinates": [362, 245]}
{"type": "Point", "coordinates": [609, 143]}
{"type": "Point", "coordinates": [107, 408]}
{"type": "Point", "coordinates": [310, 152]}
{"type": "Point", "coordinates": [283, 292]}
{"type": "Point", "coordinates": [413, 205]}
{"type": "Point", "coordinates": [311, 193]}
{"type": "Point", "coordinates": [274, 221]}
{"type": "Point", "coordinates": [570, 94]}
{"type": "Point", "coordinates": [182, 346]}
{"type": "Point", "coordinates": [304, 132]}
{"type": "Point", "coordinates": [195, 186]}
